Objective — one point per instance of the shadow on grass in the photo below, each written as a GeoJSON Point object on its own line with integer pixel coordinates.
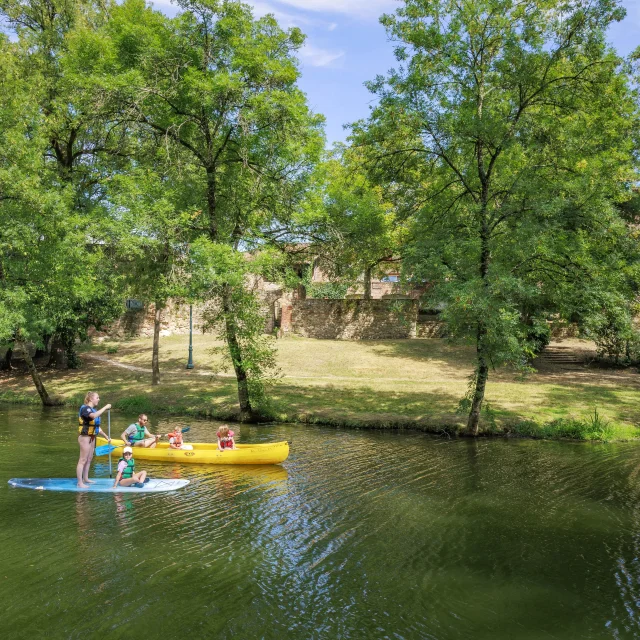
{"type": "Point", "coordinates": [588, 398]}
{"type": "Point", "coordinates": [435, 349]}
{"type": "Point", "coordinates": [365, 404]}
{"type": "Point", "coordinates": [207, 396]}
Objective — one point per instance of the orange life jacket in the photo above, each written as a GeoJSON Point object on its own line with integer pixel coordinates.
{"type": "Point", "coordinates": [177, 438]}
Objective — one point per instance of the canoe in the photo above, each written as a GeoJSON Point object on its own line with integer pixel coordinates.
{"type": "Point", "coordinates": [101, 485]}
{"type": "Point", "coordinates": [207, 453]}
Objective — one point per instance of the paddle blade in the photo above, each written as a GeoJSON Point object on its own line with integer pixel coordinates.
{"type": "Point", "coordinates": [104, 449]}
{"type": "Point", "coordinates": [186, 429]}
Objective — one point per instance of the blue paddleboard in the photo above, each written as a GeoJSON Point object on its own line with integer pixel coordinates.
{"type": "Point", "coordinates": [100, 485]}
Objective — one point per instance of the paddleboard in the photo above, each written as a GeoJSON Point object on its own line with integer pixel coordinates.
{"type": "Point", "coordinates": [100, 485]}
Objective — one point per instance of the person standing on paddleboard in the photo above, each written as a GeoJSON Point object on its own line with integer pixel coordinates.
{"type": "Point", "coordinates": [88, 429]}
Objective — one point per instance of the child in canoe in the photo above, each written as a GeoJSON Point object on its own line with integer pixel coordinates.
{"type": "Point", "coordinates": [127, 475]}
{"type": "Point", "coordinates": [176, 441]}
{"type": "Point", "coordinates": [225, 438]}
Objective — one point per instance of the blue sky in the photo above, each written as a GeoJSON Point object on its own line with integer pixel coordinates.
{"type": "Point", "coordinates": [346, 46]}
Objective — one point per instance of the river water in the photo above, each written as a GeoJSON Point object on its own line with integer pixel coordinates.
{"type": "Point", "coordinates": [358, 535]}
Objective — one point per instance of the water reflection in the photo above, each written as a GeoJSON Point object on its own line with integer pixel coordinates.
{"type": "Point", "coordinates": [358, 535]}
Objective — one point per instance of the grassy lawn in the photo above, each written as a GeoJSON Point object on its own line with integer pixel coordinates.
{"type": "Point", "coordinates": [400, 383]}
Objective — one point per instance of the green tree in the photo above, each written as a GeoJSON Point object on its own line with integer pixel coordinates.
{"type": "Point", "coordinates": [220, 88]}
{"type": "Point", "coordinates": [353, 230]}
{"type": "Point", "coordinates": [153, 211]}
{"type": "Point", "coordinates": [510, 125]}
{"type": "Point", "coordinates": [65, 281]}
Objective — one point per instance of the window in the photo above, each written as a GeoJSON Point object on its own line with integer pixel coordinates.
{"type": "Point", "coordinates": [390, 279]}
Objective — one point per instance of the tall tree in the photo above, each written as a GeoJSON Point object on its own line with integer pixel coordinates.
{"type": "Point", "coordinates": [75, 289]}
{"type": "Point", "coordinates": [220, 88]}
{"type": "Point", "coordinates": [510, 124]}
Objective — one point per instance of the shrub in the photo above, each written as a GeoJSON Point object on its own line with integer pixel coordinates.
{"type": "Point", "coordinates": [330, 290]}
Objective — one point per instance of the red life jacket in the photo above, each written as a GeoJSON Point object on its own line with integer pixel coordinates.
{"type": "Point", "coordinates": [227, 442]}
{"type": "Point", "coordinates": [177, 438]}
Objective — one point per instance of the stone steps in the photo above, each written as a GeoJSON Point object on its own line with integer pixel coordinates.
{"type": "Point", "coordinates": [560, 356]}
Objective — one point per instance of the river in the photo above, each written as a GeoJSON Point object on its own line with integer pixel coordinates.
{"type": "Point", "coordinates": [358, 534]}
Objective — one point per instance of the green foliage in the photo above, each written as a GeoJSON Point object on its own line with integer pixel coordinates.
{"type": "Point", "coordinates": [354, 231]}
{"type": "Point", "coordinates": [511, 165]}
{"type": "Point", "coordinates": [220, 273]}
{"type": "Point", "coordinates": [613, 331]}
{"type": "Point", "coordinates": [329, 290]}
{"type": "Point", "coordinates": [135, 404]}
{"type": "Point", "coordinates": [55, 270]}
{"type": "Point", "coordinates": [593, 428]}
{"type": "Point", "coordinates": [218, 90]}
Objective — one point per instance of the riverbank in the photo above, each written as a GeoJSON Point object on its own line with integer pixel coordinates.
{"type": "Point", "coordinates": [407, 384]}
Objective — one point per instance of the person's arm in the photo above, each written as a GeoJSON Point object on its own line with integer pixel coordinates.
{"type": "Point", "coordinates": [97, 414]}
{"type": "Point", "coordinates": [233, 442]}
{"type": "Point", "coordinates": [219, 447]}
{"type": "Point", "coordinates": [118, 478]}
{"type": "Point", "coordinates": [103, 434]}
{"type": "Point", "coordinates": [127, 433]}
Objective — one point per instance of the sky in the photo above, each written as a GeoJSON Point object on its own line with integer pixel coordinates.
{"type": "Point", "coordinates": [346, 45]}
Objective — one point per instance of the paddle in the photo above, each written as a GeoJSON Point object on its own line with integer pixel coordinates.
{"type": "Point", "coordinates": [106, 449]}
{"type": "Point", "coordinates": [109, 421]}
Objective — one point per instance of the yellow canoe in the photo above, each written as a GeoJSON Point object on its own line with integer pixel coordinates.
{"type": "Point", "coordinates": [207, 453]}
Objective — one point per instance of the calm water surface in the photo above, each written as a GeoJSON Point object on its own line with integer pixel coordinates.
{"type": "Point", "coordinates": [357, 535]}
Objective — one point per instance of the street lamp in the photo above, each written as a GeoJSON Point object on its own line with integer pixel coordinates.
{"type": "Point", "coordinates": [190, 362]}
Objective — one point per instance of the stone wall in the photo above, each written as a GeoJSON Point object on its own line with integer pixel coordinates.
{"type": "Point", "coordinates": [312, 318]}
{"type": "Point", "coordinates": [175, 317]}
{"type": "Point", "coordinates": [175, 320]}
{"type": "Point", "coordinates": [354, 319]}
{"type": "Point", "coordinates": [429, 325]}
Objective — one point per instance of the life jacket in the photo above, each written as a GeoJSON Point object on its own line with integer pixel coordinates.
{"type": "Point", "coordinates": [227, 441]}
{"type": "Point", "coordinates": [88, 427]}
{"type": "Point", "coordinates": [138, 435]}
{"type": "Point", "coordinates": [128, 472]}
{"type": "Point", "coordinates": [177, 437]}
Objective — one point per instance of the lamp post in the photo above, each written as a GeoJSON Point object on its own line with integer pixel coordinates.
{"type": "Point", "coordinates": [190, 361]}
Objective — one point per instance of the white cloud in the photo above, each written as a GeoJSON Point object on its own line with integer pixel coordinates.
{"type": "Point", "coordinates": [332, 26]}
{"type": "Point", "coordinates": [285, 20]}
{"type": "Point", "coordinates": [318, 57]}
{"type": "Point", "coordinates": [358, 8]}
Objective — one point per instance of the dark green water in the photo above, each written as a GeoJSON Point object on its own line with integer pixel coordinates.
{"type": "Point", "coordinates": [357, 535]}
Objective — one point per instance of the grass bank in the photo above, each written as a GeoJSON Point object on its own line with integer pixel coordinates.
{"type": "Point", "coordinates": [413, 384]}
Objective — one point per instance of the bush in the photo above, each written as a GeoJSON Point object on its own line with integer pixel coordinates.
{"type": "Point", "coordinates": [614, 334]}
{"type": "Point", "coordinates": [330, 290]}
{"type": "Point", "coordinates": [112, 349]}
{"type": "Point", "coordinates": [136, 404]}
{"type": "Point", "coordinates": [593, 428]}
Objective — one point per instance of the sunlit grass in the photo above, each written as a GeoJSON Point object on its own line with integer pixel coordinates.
{"type": "Point", "coordinates": [400, 383]}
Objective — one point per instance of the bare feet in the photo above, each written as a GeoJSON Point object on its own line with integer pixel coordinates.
{"type": "Point", "coordinates": [83, 486]}
{"type": "Point", "coordinates": [89, 481]}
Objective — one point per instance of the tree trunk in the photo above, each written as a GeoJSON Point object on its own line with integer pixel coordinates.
{"type": "Point", "coordinates": [155, 362]}
{"type": "Point", "coordinates": [58, 359]}
{"type": "Point", "coordinates": [5, 365]}
{"type": "Point", "coordinates": [367, 283]}
{"type": "Point", "coordinates": [35, 376]}
{"type": "Point", "coordinates": [482, 374]}
{"type": "Point", "coordinates": [247, 413]}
